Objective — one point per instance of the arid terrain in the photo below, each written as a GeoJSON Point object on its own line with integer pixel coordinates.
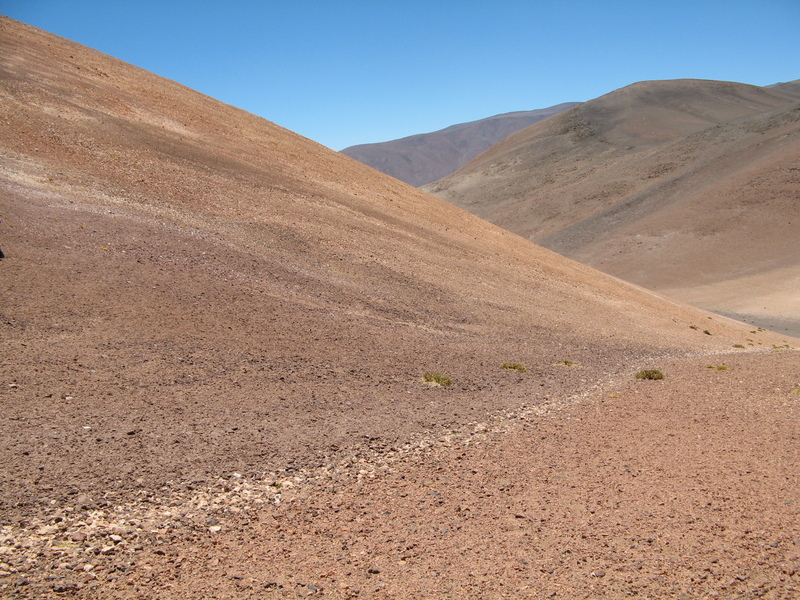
{"type": "Point", "coordinates": [428, 157]}
{"type": "Point", "coordinates": [686, 187]}
{"type": "Point", "coordinates": [214, 338]}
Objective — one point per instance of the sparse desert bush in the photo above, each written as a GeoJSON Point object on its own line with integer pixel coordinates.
{"type": "Point", "coordinates": [512, 366]}
{"type": "Point", "coordinates": [695, 327]}
{"type": "Point", "coordinates": [436, 378]}
{"type": "Point", "coordinates": [706, 331]}
{"type": "Point", "coordinates": [650, 374]}
{"type": "Point", "coordinates": [566, 363]}
{"type": "Point", "coordinates": [738, 346]}
{"type": "Point", "coordinates": [722, 368]}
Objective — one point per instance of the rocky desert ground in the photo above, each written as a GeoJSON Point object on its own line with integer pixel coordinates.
{"type": "Point", "coordinates": [215, 334]}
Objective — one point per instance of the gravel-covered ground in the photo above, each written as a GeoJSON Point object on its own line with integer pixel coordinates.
{"type": "Point", "coordinates": [685, 487]}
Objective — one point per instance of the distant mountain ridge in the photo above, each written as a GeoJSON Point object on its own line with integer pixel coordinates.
{"type": "Point", "coordinates": [686, 187]}
{"type": "Point", "coordinates": [428, 157]}
{"type": "Point", "coordinates": [788, 87]}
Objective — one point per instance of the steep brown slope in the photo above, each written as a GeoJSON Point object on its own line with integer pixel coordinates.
{"type": "Point", "coordinates": [679, 186]}
{"type": "Point", "coordinates": [427, 157]}
{"type": "Point", "coordinates": [159, 240]}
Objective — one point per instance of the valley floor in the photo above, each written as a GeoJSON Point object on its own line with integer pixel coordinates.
{"type": "Point", "coordinates": [687, 487]}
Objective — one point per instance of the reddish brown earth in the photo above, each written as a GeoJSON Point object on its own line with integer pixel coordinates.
{"type": "Point", "coordinates": [214, 334]}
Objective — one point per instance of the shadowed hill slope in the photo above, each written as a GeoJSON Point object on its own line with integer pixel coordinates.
{"type": "Point", "coordinates": [427, 157]}
{"type": "Point", "coordinates": [686, 187]}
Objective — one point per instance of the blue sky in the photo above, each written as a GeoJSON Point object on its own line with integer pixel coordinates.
{"type": "Point", "coordinates": [346, 72]}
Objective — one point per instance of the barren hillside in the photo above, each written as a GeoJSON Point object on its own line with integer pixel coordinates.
{"type": "Point", "coordinates": [214, 339]}
{"type": "Point", "coordinates": [427, 157]}
{"type": "Point", "coordinates": [685, 187]}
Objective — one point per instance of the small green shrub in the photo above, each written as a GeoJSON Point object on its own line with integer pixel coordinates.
{"type": "Point", "coordinates": [650, 374]}
{"type": "Point", "coordinates": [738, 346]}
{"type": "Point", "coordinates": [512, 366]}
{"type": "Point", "coordinates": [706, 331]}
{"type": "Point", "coordinates": [436, 378]}
{"type": "Point", "coordinates": [566, 363]}
{"type": "Point", "coordinates": [695, 327]}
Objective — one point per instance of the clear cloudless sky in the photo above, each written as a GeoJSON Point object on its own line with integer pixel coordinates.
{"type": "Point", "coordinates": [345, 72]}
